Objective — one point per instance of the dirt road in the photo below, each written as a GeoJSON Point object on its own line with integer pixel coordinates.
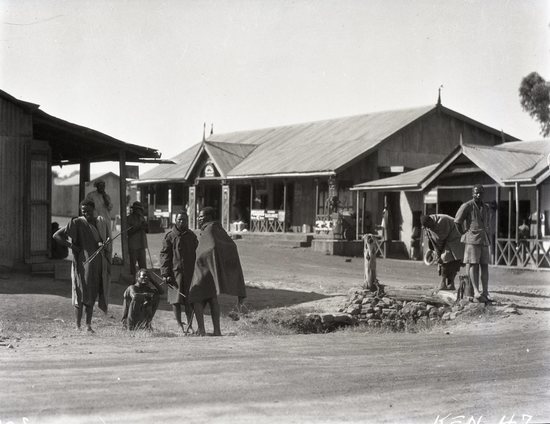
{"type": "Point", "coordinates": [343, 377]}
{"type": "Point", "coordinates": [480, 371]}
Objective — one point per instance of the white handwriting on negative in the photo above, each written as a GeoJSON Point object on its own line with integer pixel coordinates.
{"type": "Point", "coordinates": [463, 419]}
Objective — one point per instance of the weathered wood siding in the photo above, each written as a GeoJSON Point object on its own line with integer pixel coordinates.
{"type": "Point", "coordinates": [429, 140]}
{"type": "Point", "coordinates": [15, 134]}
{"type": "Point", "coordinates": [303, 204]}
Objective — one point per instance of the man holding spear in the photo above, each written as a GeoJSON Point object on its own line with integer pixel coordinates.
{"type": "Point", "coordinates": [91, 265]}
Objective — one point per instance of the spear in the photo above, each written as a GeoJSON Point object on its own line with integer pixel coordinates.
{"type": "Point", "coordinates": [107, 242]}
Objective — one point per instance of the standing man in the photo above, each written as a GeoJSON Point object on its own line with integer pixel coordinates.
{"type": "Point", "coordinates": [101, 200]}
{"type": "Point", "coordinates": [137, 237]}
{"type": "Point", "coordinates": [91, 280]}
{"type": "Point", "coordinates": [472, 221]}
{"type": "Point", "coordinates": [177, 262]}
{"type": "Point", "coordinates": [445, 238]}
{"type": "Point", "coordinates": [217, 270]}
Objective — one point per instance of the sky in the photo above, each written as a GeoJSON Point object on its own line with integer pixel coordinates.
{"type": "Point", "coordinates": [152, 72]}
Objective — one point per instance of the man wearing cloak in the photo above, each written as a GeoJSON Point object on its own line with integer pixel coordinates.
{"type": "Point", "coordinates": [217, 270]}
{"type": "Point", "coordinates": [177, 263]}
{"type": "Point", "coordinates": [91, 280]}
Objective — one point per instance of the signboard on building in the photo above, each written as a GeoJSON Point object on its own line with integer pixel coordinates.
{"type": "Point", "coordinates": [209, 170]}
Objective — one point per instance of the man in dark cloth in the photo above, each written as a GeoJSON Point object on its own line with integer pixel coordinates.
{"type": "Point", "coordinates": [141, 301]}
{"type": "Point", "coordinates": [217, 270]}
{"type": "Point", "coordinates": [177, 263]}
{"type": "Point", "coordinates": [137, 237]}
{"type": "Point", "coordinates": [445, 239]}
{"type": "Point", "coordinates": [92, 280]}
{"type": "Point", "coordinates": [473, 221]}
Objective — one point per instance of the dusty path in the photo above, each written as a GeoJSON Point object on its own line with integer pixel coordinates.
{"type": "Point", "coordinates": [343, 377]}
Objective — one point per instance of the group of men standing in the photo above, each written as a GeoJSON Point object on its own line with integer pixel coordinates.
{"type": "Point", "coordinates": [463, 239]}
{"type": "Point", "coordinates": [195, 269]}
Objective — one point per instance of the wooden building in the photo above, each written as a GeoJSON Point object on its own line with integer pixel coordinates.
{"type": "Point", "coordinates": [282, 179]}
{"type": "Point", "coordinates": [31, 142]}
{"type": "Point", "coordinates": [517, 186]}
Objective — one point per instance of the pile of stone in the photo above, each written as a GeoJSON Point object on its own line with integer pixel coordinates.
{"type": "Point", "coordinates": [380, 311]}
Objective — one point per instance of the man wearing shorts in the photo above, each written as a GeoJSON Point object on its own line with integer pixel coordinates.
{"type": "Point", "coordinates": [472, 221]}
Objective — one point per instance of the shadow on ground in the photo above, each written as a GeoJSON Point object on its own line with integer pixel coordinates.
{"type": "Point", "coordinates": [257, 298]}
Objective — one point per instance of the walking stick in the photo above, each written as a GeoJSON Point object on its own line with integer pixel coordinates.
{"type": "Point", "coordinates": [186, 331]}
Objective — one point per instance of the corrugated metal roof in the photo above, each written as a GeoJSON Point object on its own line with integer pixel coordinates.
{"type": "Point", "coordinates": [227, 155]}
{"type": "Point", "coordinates": [540, 148]}
{"type": "Point", "coordinates": [317, 146]}
{"type": "Point", "coordinates": [524, 161]}
{"type": "Point", "coordinates": [410, 180]}
{"type": "Point", "coordinates": [169, 172]}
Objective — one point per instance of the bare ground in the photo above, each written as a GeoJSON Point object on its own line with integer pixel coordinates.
{"type": "Point", "coordinates": [488, 367]}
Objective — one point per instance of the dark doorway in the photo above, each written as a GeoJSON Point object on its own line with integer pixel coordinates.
{"type": "Point", "coordinates": [210, 195]}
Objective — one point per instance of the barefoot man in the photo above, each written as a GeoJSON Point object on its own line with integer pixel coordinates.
{"type": "Point", "coordinates": [177, 262]}
{"type": "Point", "coordinates": [472, 221]}
{"type": "Point", "coordinates": [217, 270]}
{"type": "Point", "coordinates": [90, 280]}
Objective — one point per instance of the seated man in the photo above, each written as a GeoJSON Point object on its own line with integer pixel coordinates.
{"type": "Point", "coordinates": [141, 301]}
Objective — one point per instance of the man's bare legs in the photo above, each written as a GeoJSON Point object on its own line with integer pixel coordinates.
{"type": "Point", "coordinates": [485, 280]}
{"type": "Point", "coordinates": [199, 315]}
{"type": "Point", "coordinates": [78, 315]}
{"type": "Point", "coordinates": [176, 307]}
{"type": "Point", "coordinates": [473, 273]}
{"type": "Point", "coordinates": [89, 313]}
{"type": "Point", "coordinates": [214, 311]}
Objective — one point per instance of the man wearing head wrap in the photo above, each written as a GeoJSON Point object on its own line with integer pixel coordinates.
{"type": "Point", "coordinates": [91, 280]}
{"type": "Point", "coordinates": [217, 270]}
{"type": "Point", "coordinates": [101, 200]}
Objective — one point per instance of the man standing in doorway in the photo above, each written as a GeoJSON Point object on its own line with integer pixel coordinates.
{"type": "Point", "coordinates": [472, 221]}
{"type": "Point", "coordinates": [217, 270]}
{"type": "Point", "coordinates": [137, 237]}
{"type": "Point", "coordinates": [90, 279]}
{"type": "Point", "coordinates": [177, 263]}
{"type": "Point", "coordinates": [102, 201]}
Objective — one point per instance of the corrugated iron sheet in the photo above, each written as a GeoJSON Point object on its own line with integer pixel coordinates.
{"type": "Point", "coordinates": [539, 147]}
{"type": "Point", "coordinates": [177, 171]}
{"type": "Point", "coordinates": [411, 180]}
{"type": "Point", "coordinates": [317, 146]}
{"type": "Point", "coordinates": [505, 163]}
{"type": "Point", "coordinates": [227, 155]}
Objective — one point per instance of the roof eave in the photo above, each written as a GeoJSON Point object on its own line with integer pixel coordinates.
{"type": "Point", "coordinates": [282, 175]}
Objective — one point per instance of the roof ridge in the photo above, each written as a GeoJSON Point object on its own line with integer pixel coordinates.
{"type": "Point", "coordinates": [319, 121]}
{"type": "Point", "coordinates": [503, 148]}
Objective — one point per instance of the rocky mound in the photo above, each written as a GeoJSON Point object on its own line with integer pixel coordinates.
{"type": "Point", "coordinates": [378, 310]}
